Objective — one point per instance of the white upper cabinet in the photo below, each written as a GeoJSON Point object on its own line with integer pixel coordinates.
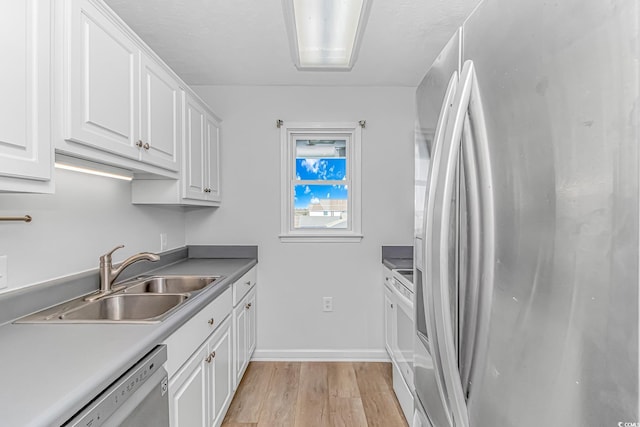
{"type": "Point", "coordinates": [194, 147]}
{"type": "Point", "coordinates": [202, 152]}
{"type": "Point", "coordinates": [160, 116]}
{"type": "Point", "coordinates": [102, 72]}
{"type": "Point", "coordinates": [199, 183]}
{"type": "Point", "coordinates": [25, 124]}
{"type": "Point", "coordinates": [212, 163]}
{"type": "Point", "coordinates": [118, 97]}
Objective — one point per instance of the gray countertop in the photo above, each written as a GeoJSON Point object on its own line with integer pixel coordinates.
{"type": "Point", "coordinates": [401, 263]}
{"type": "Point", "coordinates": [394, 257]}
{"type": "Point", "coordinates": [50, 371]}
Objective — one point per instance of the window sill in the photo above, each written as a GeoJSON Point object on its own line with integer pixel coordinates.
{"type": "Point", "coordinates": [325, 238]}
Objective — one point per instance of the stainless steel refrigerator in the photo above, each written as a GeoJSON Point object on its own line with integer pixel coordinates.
{"type": "Point", "coordinates": [526, 248]}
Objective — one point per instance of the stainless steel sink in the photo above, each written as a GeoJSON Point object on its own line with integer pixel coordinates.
{"type": "Point", "coordinates": [142, 300]}
{"type": "Point", "coordinates": [170, 284]}
{"type": "Point", "coordinates": [122, 307]}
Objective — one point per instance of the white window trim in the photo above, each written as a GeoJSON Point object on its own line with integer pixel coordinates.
{"type": "Point", "coordinates": [287, 155]}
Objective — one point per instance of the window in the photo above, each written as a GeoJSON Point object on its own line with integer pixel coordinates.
{"type": "Point", "coordinates": [320, 165]}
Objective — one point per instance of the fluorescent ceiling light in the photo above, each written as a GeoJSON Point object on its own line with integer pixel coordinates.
{"type": "Point", "coordinates": [325, 34]}
{"type": "Point", "coordinates": [83, 166]}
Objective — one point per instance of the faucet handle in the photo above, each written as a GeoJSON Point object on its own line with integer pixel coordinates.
{"type": "Point", "coordinates": [106, 258]}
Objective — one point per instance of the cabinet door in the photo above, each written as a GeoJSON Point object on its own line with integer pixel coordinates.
{"type": "Point", "coordinates": [160, 103]}
{"type": "Point", "coordinates": [25, 131]}
{"type": "Point", "coordinates": [389, 321]}
{"type": "Point", "coordinates": [251, 323]}
{"type": "Point", "coordinates": [194, 172]}
{"type": "Point", "coordinates": [220, 373]}
{"type": "Point", "coordinates": [212, 163]}
{"type": "Point", "coordinates": [188, 392]}
{"type": "Point", "coordinates": [102, 75]}
{"type": "Point", "coordinates": [240, 341]}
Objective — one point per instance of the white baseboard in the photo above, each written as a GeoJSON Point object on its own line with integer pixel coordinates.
{"type": "Point", "coordinates": [348, 355]}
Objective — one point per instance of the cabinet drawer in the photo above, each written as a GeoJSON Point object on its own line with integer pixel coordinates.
{"type": "Point", "coordinates": [243, 285]}
{"type": "Point", "coordinates": [183, 342]}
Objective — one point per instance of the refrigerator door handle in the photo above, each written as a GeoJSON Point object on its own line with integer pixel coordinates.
{"type": "Point", "coordinates": [476, 128]}
{"type": "Point", "coordinates": [471, 287]}
{"type": "Point", "coordinates": [442, 303]}
{"type": "Point", "coordinates": [429, 240]}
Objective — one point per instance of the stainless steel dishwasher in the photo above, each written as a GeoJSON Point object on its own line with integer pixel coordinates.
{"type": "Point", "coordinates": [138, 398]}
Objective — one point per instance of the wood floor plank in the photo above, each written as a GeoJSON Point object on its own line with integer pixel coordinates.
{"type": "Point", "coordinates": [382, 410]}
{"type": "Point", "coordinates": [247, 403]}
{"type": "Point", "coordinates": [281, 396]}
{"type": "Point", "coordinates": [373, 377]}
{"type": "Point", "coordinates": [310, 394]}
{"type": "Point", "coordinates": [342, 380]}
{"type": "Point", "coordinates": [312, 406]}
{"type": "Point", "coordinates": [233, 424]}
{"type": "Point", "coordinates": [347, 412]}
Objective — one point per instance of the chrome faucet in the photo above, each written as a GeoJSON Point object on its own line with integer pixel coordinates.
{"type": "Point", "coordinates": [108, 273]}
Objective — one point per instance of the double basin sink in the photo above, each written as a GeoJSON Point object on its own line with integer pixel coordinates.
{"type": "Point", "coordinates": [141, 300]}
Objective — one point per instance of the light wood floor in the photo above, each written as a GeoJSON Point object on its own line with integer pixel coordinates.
{"type": "Point", "coordinates": [310, 394]}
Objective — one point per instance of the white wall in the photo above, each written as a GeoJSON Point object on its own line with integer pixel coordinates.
{"type": "Point", "coordinates": [293, 277]}
{"type": "Point", "coordinates": [87, 216]}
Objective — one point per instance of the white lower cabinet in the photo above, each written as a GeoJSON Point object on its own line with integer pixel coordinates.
{"type": "Point", "coordinates": [389, 321]}
{"type": "Point", "coordinates": [244, 316]}
{"type": "Point", "coordinates": [220, 376]}
{"type": "Point", "coordinates": [252, 323]}
{"type": "Point", "coordinates": [201, 391]}
{"type": "Point", "coordinates": [200, 366]}
{"type": "Point", "coordinates": [389, 312]}
{"type": "Point", "coordinates": [240, 342]}
{"type": "Point", "coordinates": [188, 392]}
{"type": "Point", "coordinates": [244, 323]}
{"type": "Point", "coordinates": [207, 356]}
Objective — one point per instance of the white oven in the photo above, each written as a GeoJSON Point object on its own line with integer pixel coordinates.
{"type": "Point", "coordinates": [404, 341]}
{"type": "Point", "coordinates": [400, 334]}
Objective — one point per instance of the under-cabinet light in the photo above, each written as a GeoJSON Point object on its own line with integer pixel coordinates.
{"type": "Point", "coordinates": [325, 35]}
{"type": "Point", "coordinates": [92, 171]}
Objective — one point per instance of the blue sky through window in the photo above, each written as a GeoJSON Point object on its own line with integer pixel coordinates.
{"type": "Point", "coordinates": [321, 169]}
{"type": "Point", "coordinates": [307, 194]}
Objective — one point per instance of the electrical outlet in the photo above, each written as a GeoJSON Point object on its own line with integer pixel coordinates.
{"type": "Point", "coordinates": [163, 241]}
{"type": "Point", "coordinates": [327, 303]}
{"type": "Point", "coordinates": [3, 272]}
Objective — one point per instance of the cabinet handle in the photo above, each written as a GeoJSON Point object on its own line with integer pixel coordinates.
{"type": "Point", "coordinates": [146, 146]}
{"type": "Point", "coordinates": [248, 306]}
{"type": "Point", "coordinates": [248, 283]}
{"type": "Point", "coordinates": [208, 359]}
{"type": "Point", "coordinates": [391, 305]}
{"type": "Point", "coordinates": [207, 190]}
{"type": "Point", "coordinates": [210, 321]}
{"type": "Point", "coordinates": [139, 143]}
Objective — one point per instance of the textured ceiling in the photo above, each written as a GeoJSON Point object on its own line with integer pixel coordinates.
{"type": "Point", "coordinates": [244, 42]}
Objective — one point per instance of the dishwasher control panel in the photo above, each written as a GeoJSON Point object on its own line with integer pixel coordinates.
{"type": "Point", "coordinates": [108, 402]}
